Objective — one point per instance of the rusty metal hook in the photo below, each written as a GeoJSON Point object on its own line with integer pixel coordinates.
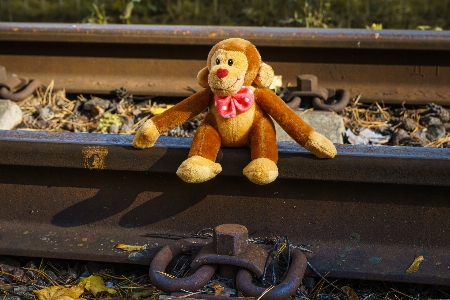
{"type": "Point", "coordinates": [323, 99]}
{"type": "Point", "coordinates": [228, 249]}
{"type": "Point", "coordinates": [190, 283]}
{"type": "Point", "coordinates": [340, 101]}
{"type": "Point", "coordinates": [12, 82]}
{"type": "Point", "coordinates": [282, 291]}
{"type": "Point", "coordinates": [5, 93]}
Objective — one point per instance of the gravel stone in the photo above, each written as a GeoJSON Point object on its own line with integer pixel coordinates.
{"type": "Point", "coordinates": [447, 126]}
{"type": "Point", "coordinates": [136, 112]}
{"type": "Point", "coordinates": [41, 124]}
{"type": "Point", "coordinates": [435, 132]}
{"type": "Point", "coordinates": [10, 114]}
{"type": "Point", "coordinates": [397, 136]}
{"type": "Point", "coordinates": [429, 120]}
{"type": "Point", "coordinates": [45, 112]}
{"type": "Point", "coordinates": [439, 112]}
{"type": "Point", "coordinates": [408, 124]}
{"type": "Point", "coordinates": [114, 128]}
{"type": "Point", "coordinates": [89, 105]}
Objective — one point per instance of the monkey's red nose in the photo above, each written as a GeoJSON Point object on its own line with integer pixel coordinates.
{"type": "Point", "coordinates": [221, 73]}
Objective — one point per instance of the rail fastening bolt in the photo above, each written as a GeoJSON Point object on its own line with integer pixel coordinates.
{"type": "Point", "coordinates": [230, 239]}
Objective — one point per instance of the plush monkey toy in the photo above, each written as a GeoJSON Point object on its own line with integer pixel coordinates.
{"type": "Point", "coordinates": [235, 90]}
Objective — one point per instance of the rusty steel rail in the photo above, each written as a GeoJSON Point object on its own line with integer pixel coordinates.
{"type": "Point", "coordinates": [391, 66]}
{"type": "Point", "coordinates": [365, 214]}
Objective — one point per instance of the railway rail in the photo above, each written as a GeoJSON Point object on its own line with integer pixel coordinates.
{"type": "Point", "coordinates": [385, 66]}
{"type": "Point", "coordinates": [365, 214]}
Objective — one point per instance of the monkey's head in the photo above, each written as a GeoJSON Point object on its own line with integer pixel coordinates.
{"type": "Point", "coordinates": [233, 63]}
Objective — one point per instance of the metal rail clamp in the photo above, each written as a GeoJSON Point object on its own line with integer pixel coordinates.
{"type": "Point", "coordinates": [230, 253]}
{"type": "Point", "coordinates": [322, 98]}
{"type": "Point", "coordinates": [15, 88]}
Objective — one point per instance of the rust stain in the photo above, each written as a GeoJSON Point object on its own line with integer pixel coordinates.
{"type": "Point", "coordinates": [94, 157]}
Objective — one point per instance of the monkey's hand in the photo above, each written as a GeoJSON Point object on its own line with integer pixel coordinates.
{"type": "Point", "coordinates": [146, 136]}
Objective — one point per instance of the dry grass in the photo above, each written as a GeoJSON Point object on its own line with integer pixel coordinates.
{"type": "Point", "coordinates": [389, 120]}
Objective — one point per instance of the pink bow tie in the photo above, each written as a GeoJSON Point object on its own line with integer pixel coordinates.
{"type": "Point", "coordinates": [241, 101]}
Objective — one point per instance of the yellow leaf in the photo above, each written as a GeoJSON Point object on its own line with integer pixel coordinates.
{"type": "Point", "coordinates": [159, 110]}
{"type": "Point", "coordinates": [423, 27]}
{"type": "Point", "coordinates": [95, 285]}
{"type": "Point", "coordinates": [350, 293]}
{"type": "Point", "coordinates": [415, 265]}
{"type": "Point", "coordinates": [59, 293]}
{"type": "Point", "coordinates": [376, 26]}
{"type": "Point", "coordinates": [130, 248]}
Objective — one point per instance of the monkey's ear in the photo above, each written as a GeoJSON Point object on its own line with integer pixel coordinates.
{"type": "Point", "coordinates": [265, 76]}
{"type": "Point", "coordinates": [202, 77]}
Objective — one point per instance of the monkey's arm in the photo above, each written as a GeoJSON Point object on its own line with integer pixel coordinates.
{"type": "Point", "coordinates": [294, 126]}
{"type": "Point", "coordinates": [171, 118]}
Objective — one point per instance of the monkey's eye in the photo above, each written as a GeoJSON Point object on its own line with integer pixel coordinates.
{"type": "Point", "coordinates": [230, 62]}
{"type": "Point", "coordinates": [217, 61]}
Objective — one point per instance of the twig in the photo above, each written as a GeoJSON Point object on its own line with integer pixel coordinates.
{"type": "Point", "coordinates": [189, 293]}
{"type": "Point", "coordinates": [357, 99]}
{"type": "Point", "coordinates": [409, 296]}
{"type": "Point", "coordinates": [326, 280]}
{"type": "Point", "coordinates": [48, 92]}
{"type": "Point", "coordinates": [266, 291]}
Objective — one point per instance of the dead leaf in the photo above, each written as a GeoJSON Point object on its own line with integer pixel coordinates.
{"type": "Point", "coordinates": [415, 265]}
{"type": "Point", "coordinates": [350, 293]}
{"type": "Point", "coordinates": [130, 248]}
{"type": "Point", "coordinates": [218, 289]}
{"type": "Point", "coordinates": [97, 111]}
{"type": "Point", "coordinates": [144, 293]}
{"type": "Point", "coordinates": [59, 293]}
{"type": "Point", "coordinates": [95, 285]}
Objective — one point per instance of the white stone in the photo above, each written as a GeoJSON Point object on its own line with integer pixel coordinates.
{"type": "Point", "coordinates": [10, 114]}
{"type": "Point", "coordinates": [326, 123]}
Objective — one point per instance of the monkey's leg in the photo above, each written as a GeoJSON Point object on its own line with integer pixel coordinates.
{"type": "Point", "coordinates": [264, 151]}
{"type": "Point", "coordinates": [201, 166]}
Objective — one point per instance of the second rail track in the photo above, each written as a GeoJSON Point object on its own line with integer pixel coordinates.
{"type": "Point", "coordinates": [390, 66]}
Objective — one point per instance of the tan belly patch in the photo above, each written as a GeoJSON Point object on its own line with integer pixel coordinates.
{"type": "Point", "coordinates": [234, 131]}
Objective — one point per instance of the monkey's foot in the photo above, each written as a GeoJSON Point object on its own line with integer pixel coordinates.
{"type": "Point", "coordinates": [197, 169]}
{"type": "Point", "coordinates": [261, 171]}
{"type": "Point", "coordinates": [146, 136]}
{"type": "Point", "coordinates": [320, 146]}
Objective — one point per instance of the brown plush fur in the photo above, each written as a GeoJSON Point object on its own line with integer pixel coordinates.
{"type": "Point", "coordinates": [253, 127]}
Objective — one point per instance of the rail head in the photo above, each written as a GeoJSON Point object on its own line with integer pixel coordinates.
{"type": "Point", "coordinates": [209, 35]}
{"type": "Point", "coordinates": [358, 164]}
